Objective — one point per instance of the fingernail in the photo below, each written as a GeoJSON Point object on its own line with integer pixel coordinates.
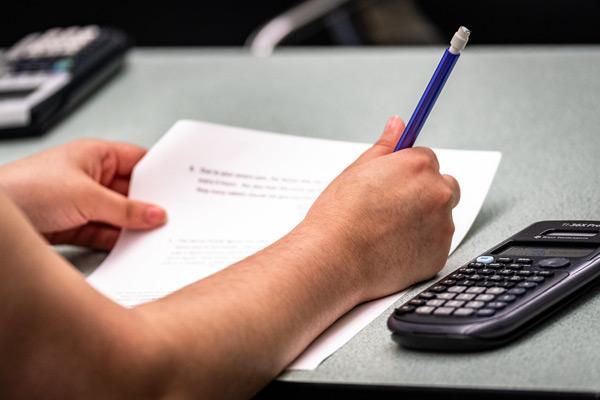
{"type": "Point", "coordinates": [155, 215]}
{"type": "Point", "coordinates": [390, 123]}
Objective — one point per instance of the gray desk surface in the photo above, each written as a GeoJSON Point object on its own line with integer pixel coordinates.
{"type": "Point", "coordinates": [539, 106]}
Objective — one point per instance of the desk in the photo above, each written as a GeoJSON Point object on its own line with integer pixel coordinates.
{"type": "Point", "coordinates": [539, 106]}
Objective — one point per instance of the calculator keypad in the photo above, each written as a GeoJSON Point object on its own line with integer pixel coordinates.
{"type": "Point", "coordinates": [480, 289]}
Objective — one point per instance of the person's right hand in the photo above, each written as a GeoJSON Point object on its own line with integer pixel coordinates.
{"type": "Point", "coordinates": [391, 213]}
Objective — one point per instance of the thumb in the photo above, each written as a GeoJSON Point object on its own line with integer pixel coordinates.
{"type": "Point", "coordinates": [386, 142]}
{"type": "Point", "coordinates": [115, 209]}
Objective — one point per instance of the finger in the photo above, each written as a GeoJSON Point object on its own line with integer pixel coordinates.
{"type": "Point", "coordinates": [95, 236]}
{"type": "Point", "coordinates": [128, 155]}
{"type": "Point", "coordinates": [455, 187]}
{"type": "Point", "coordinates": [113, 208]}
{"type": "Point", "coordinates": [120, 185]}
{"type": "Point", "coordinates": [386, 142]}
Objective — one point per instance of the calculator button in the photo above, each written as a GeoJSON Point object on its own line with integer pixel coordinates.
{"type": "Point", "coordinates": [446, 296]}
{"type": "Point", "coordinates": [449, 282]}
{"type": "Point", "coordinates": [476, 265]}
{"type": "Point", "coordinates": [466, 283]}
{"type": "Point", "coordinates": [435, 302]}
{"type": "Point", "coordinates": [438, 288]}
{"type": "Point", "coordinates": [467, 271]}
{"type": "Point", "coordinates": [495, 290]}
{"type": "Point", "coordinates": [485, 297]}
{"type": "Point", "coordinates": [507, 298]}
{"type": "Point", "coordinates": [476, 277]}
{"type": "Point", "coordinates": [544, 273]}
{"type": "Point", "coordinates": [504, 260]}
{"type": "Point", "coordinates": [427, 295]}
{"type": "Point", "coordinates": [536, 278]}
{"type": "Point", "coordinates": [457, 276]}
{"type": "Point", "coordinates": [505, 272]}
{"type": "Point", "coordinates": [476, 289]}
{"type": "Point", "coordinates": [457, 289]}
{"type": "Point", "coordinates": [527, 285]}
{"type": "Point", "coordinates": [463, 312]}
{"type": "Point", "coordinates": [526, 273]}
{"type": "Point", "coordinates": [485, 312]}
{"type": "Point", "coordinates": [515, 279]}
{"type": "Point", "coordinates": [485, 259]}
{"type": "Point", "coordinates": [488, 284]}
{"type": "Point", "coordinates": [475, 304]}
{"type": "Point", "coordinates": [507, 285]}
{"type": "Point", "coordinates": [486, 271]}
{"type": "Point", "coordinates": [404, 310]}
{"type": "Point", "coordinates": [454, 303]}
{"type": "Point", "coordinates": [416, 302]}
{"type": "Point", "coordinates": [524, 260]}
{"type": "Point", "coordinates": [517, 291]}
{"type": "Point", "coordinates": [494, 304]}
{"type": "Point", "coordinates": [443, 311]}
{"type": "Point", "coordinates": [496, 278]}
{"type": "Point", "coordinates": [514, 266]}
{"type": "Point", "coordinates": [558, 262]}
{"type": "Point", "coordinates": [494, 265]}
{"type": "Point", "coordinates": [465, 296]}
{"type": "Point", "coordinates": [424, 310]}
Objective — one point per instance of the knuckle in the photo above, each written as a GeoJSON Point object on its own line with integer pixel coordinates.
{"type": "Point", "coordinates": [424, 159]}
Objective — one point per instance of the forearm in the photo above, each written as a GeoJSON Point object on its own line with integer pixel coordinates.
{"type": "Point", "coordinates": [236, 330]}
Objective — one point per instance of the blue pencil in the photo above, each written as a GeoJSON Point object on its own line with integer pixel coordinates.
{"type": "Point", "coordinates": [434, 88]}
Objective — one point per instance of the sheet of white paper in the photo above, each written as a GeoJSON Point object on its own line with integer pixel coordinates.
{"type": "Point", "coordinates": [230, 192]}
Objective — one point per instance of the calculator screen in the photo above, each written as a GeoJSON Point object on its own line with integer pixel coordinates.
{"type": "Point", "coordinates": [533, 251]}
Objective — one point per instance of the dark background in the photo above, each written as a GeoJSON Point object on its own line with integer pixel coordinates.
{"type": "Point", "coordinates": [376, 22]}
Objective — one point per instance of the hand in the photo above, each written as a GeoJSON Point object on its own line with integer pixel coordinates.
{"type": "Point", "coordinates": [391, 213]}
{"type": "Point", "coordinates": [76, 193]}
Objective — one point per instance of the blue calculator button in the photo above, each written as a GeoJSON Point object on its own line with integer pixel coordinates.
{"type": "Point", "coordinates": [485, 259]}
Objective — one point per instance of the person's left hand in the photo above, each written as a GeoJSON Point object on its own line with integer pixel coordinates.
{"type": "Point", "coordinates": [77, 193]}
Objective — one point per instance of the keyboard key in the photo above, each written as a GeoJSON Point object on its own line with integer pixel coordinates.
{"type": "Point", "coordinates": [507, 298]}
{"type": "Point", "coordinates": [435, 302]}
{"type": "Point", "coordinates": [424, 310]}
{"type": "Point", "coordinates": [475, 304]}
{"type": "Point", "coordinates": [476, 289]}
{"type": "Point", "coordinates": [494, 304]}
{"type": "Point", "coordinates": [465, 296]}
{"type": "Point", "coordinates": [517, 291]}
{"type": "Point", "coordinates": [463, 312]}
{"type": "Point", "coordinates": [457, 289]}
{"type": "Point", "coordinates": [495, 290]}
{"type": "Point", "coordinates": [524, 260]}
{"type": "Point", "coordinates": [404, 310]}
{"type": "Point", "coordinates": [427, 295]}
{"type": "Point", "coordinates": [446, 296]}
{"type": "Point", "coordinates": [443, 311]}
{"type": "Point", "coordinates": [485, 312]}
{"type": "Point", "coordinates": [438, 288]}
{"type": "Point", "coordinates": [485, 297]}
{"type": "Point", "coordinates": [504, 260]}
{"type": "Point", "coordinates": [455, 303]}
{"type": "Point", "coordinates": [416, 302]}
{"type": "Point", "coordinates": [535, 278]}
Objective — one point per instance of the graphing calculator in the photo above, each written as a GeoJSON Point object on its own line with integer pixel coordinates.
{"type": "Point", "coordinates": [500, 294]}
{"type": "Point", "coordinates": [45, 74]}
